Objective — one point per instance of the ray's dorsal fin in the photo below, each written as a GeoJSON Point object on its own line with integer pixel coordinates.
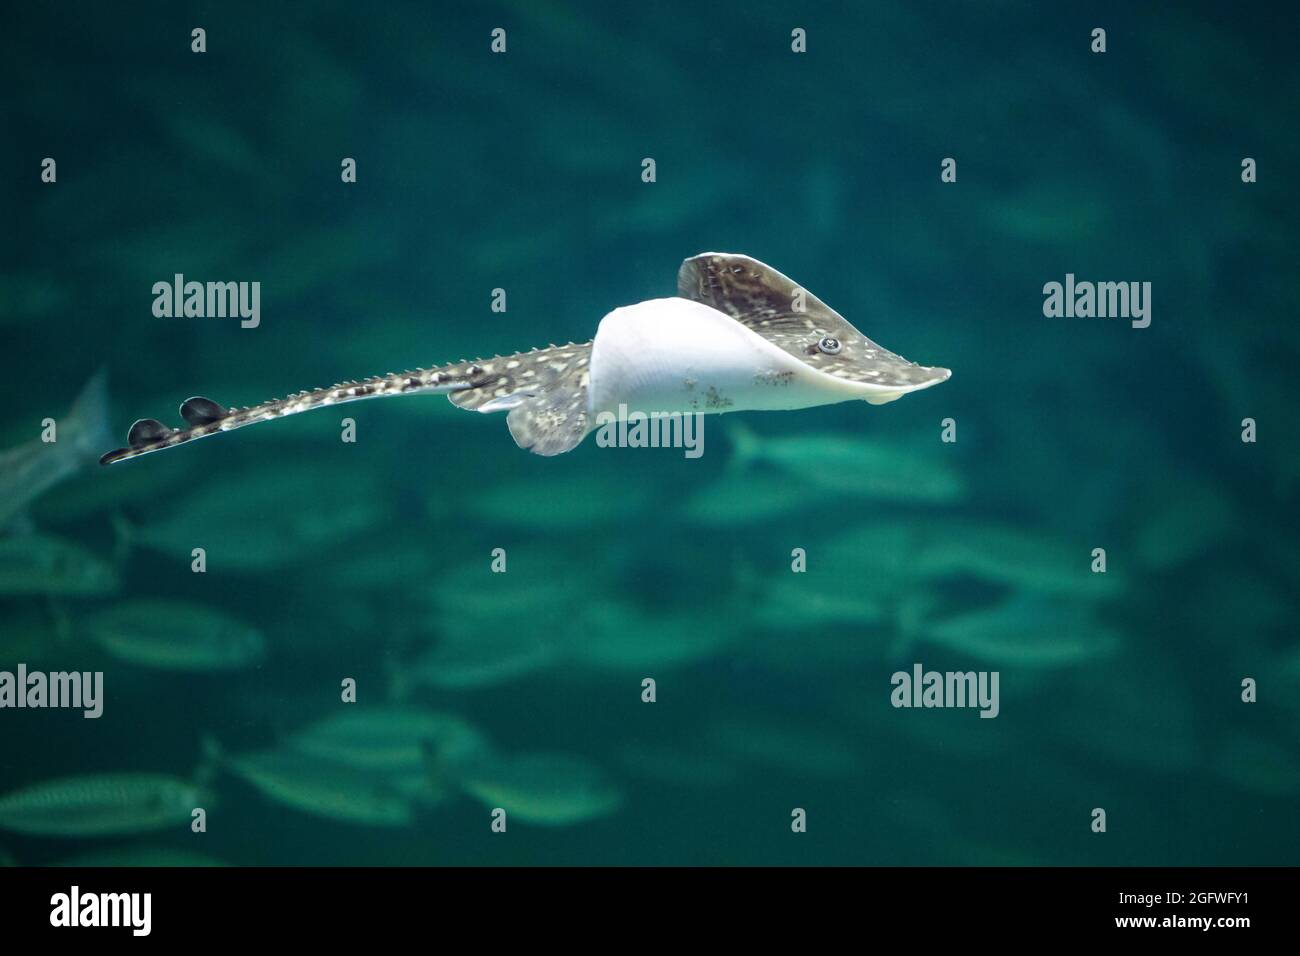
{"type": "Point", "coordinates": [145, 431]}
{"type": "Point", "coordinates": [796, 321]}
{"type": "Point", "coordinates": [202, 411]}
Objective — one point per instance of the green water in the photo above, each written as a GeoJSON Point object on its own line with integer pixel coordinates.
{"type": "Point", "coordinates": [371, 560]}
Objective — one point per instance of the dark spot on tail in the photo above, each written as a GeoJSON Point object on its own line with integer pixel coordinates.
{"type": "Point", "coordinates": [146, 431]}
{"type": "Point", "coordinates": [202, 411]}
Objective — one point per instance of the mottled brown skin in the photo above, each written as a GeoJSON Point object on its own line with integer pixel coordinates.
{"type": "Point", "coordinates": [764, 301]}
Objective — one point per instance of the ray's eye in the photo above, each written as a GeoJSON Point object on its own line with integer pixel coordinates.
{"type": "Point", "coordinates": [830, 345]}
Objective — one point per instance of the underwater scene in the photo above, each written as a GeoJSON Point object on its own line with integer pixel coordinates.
{"type": "Point", "coordinates": [1040, 613]}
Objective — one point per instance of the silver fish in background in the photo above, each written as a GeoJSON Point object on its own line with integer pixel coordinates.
{"type": "Point", "coordinates": [496, 658]}
{"type": "Point", "coordinates": [31, 469]}
{"type": "Point", "coordinates": [856, 466]}
{"type": "Point", "coordinates": [578, 501]}
{"type": "Point", "coordinates": [782, 601]}
{"type": "Point", "coordinates": [104, 804]}
{"type": "Point", "coordinates": [175, 635]}
{"type": "Point", "coordinates": [390, 739]}
{"type": "Point", "coordinates": [267, 517]}
{"type": "Point", "coordinates": [617, 634]}
{"type": "Point", "coordinates": [324, 787]}
{"type": "Point", "coordinates": [1024, 631]}
{"type": "Point", "coordinates": [767, 497]}
{"type": "Point", "coordinates": [380, 564]}
{"type": "Point", "coordinates": [927, 550]}
{"type": "Point", "coordinates": [41, 564]}
{"type": "Point", "coordinates": [547, 789]}
{"type": "Point", "coordinates": [488, 629]}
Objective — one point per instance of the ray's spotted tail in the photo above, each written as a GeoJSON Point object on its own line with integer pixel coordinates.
{"type": "Point", "coordinates": [204, 417]}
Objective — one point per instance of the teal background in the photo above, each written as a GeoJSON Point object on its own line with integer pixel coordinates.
{"type": "Point", "coordinates": [522, 172]}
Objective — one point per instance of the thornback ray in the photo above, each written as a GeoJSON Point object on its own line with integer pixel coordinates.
{"type": "Point", "coordinates": [739, 336]}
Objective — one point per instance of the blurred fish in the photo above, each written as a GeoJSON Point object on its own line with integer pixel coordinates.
{"type": "Point", "coordinates": [854, 465]}
{"type": "Point", "coordinates": [891, 553]}
{"type": "Point", "coordinates": [24, 298]}
{"type": "Point", "coordinates": [541, 582]}
{"type": "Point", "coordinates": [175, 635]}
{"type": "Point", "coordinates": [785, 600]}
{"type": "Point", "coordinates": [201, 246]}
{"type": "Point", "coordinates": [105, 804]}
{"type": "Point", "coordinates": [211, 142]}
{"type": "Point", "coordinates": [31, 469]}
{"type": "Point", "coordinates": [785, 744]}
{"type": "Point", "coordinates": [1182, 519]}
{"type": "Point", "coordinates": [163, 856]}
{"type": "Point", "coordinates": [1132, 713]}
{"type": "Point", "coordinates": [877, 559]}
{"type": "Point", "coordinates": [758, 497]}
{"type": "Point", "coordinates": [390, 739]}
{"type": "Point", "coordinates": [579, 501]}
{"type": "Point", "coordinates": [945, 731]}
{"type": "Point", "coordinates": [268, 517]}
{"type": "Point", "coordinates": [549, 789]}
{"type": "Point", "coordinates": [1046, 213]}
{"type": "Point", "coordinates": [30, 634]}
{"type": "Point", "coordinates": [43, 564]}
{"type": "Point", "coordinates": [1028, 558]}
{"type": "Point", "coordinates": [1258, 764]}
{"type": "Point", "coordinates": [495, 658]}
{"type": "Point", "coordinates": [614, 633]}
{"type": "Point", "coordinates": [324, 256]}
{"type": "Point", "coordinates": [85, 495]}
{"type": "Point", "coordinates": [1241, 594]}
{"type": "Point", "coordinates": [383, 564]}
{"type": "Point", "coordinates": [839, 613]}
{"type": "Point", "coordinates": [493, 628]}
{"type": "Point", "coordinates": [1023, 632]}
{"type": "Point", "coordinates": [323, 787]}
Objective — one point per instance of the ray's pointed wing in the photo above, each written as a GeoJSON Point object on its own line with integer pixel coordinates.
{"type": "Point", "coordinates": [795, 320]}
